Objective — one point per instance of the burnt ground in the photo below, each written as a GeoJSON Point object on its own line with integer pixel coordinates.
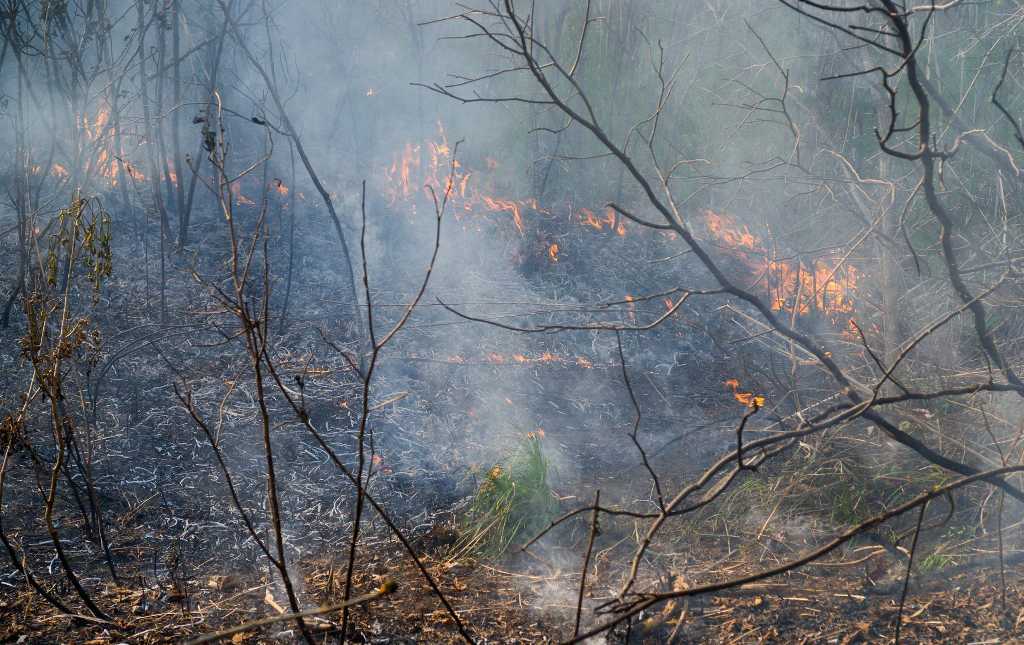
{"type": "Point", "coordinates": [186, 566]}
{"type": "Point", "coordinates": [503, 604]}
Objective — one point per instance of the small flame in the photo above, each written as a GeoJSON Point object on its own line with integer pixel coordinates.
{"type": "Point", "coordinates": [236, 190]}
{"type": "Point", "coordinates": [547, 357]}
{"type": "Point", "coordinates": [553, 252]}
{"type": "Point", "coordinates": [747, 398]}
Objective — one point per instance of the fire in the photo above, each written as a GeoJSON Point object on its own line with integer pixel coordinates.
{"type": "Point", "coordinates": [511, 207]}
{"type": "Point", "coordinates": [747, 398]}
{"type": "Point", "coordinates": [545, 358]}
{"type": "Point", "coordinates": [236, 190]}
{"type": "Point", "coordinates": [632, 309]}
{"type": "Point", "coordinates": [99, 131]}
{"type": "Point", "coordinates": [824, 284]}
{"type": "Point", "coordinates": [107, 162]}
{"type": "Point", "coordinates": [104, 160]}
{"type": "Point", "coordinates": [423, 171]}
{"type": "Point", "coordinates": [400, 174]}
{"type": "Point", "coordinates": [589, 218]}
{"type": "Point", "coordinates": [417, 171]}
{"type": "Point", "coordinates": [728, 232]}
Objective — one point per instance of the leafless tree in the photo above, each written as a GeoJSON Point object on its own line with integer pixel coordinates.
{"type": "Point", "coordinates": [831, 384]}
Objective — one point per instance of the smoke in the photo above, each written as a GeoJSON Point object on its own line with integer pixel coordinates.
{"type": "Point", "coordinates": [505, 343]}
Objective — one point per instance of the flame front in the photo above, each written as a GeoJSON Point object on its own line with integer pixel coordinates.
{"type": "Point", "coordinates": [824, 284]}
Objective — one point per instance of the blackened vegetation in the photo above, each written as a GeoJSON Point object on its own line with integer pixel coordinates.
{"type": "Point", "coordinates": [741, 355]}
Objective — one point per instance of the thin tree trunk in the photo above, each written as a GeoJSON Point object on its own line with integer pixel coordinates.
{"type": "Point", "coordinates": [179, 168]}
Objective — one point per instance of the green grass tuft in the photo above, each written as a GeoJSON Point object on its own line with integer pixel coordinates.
{"type": "Point", "coordinates": [511, 505]}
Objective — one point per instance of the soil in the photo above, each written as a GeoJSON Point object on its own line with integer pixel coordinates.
{"type": "Point", "coordinates": [823, 604]}
{"type": "Point", "coordinates": [187, 566]}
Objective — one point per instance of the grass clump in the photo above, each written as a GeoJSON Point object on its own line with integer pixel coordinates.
{"type": "Point", "coordinates": [511, 505]}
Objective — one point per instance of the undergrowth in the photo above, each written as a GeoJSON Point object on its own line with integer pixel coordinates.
{"type": "Point", "coordinates": [512, 503]}
{"type": "Point", "coordinates": [839, 482]}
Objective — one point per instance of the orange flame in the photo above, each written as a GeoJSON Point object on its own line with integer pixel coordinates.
{"type": "Point", "coordinates": [825, 284]}
{"type": "Point", "coordinates": [422, 170]}
{"type": "Point", "coordinates": [547, 357]}
{"type": "Point", "coordinates": [236, 190]}
{"type": "Point", "coordinates": [747, 398]}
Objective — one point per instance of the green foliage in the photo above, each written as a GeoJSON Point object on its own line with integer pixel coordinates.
{"type": "Point", "coordinates": [848, 505]}
{"type": "Point", "coordinates": [954, 544]}
{"type": "Point", "coordinates": [512, 503]}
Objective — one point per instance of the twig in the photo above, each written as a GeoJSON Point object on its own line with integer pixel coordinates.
{"type": "Point", "coordinates": [387, 588]}
{"type": "Point", "coordinates": [594, 532]}
{"type": "Point", "coordinates": [906, 579]}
